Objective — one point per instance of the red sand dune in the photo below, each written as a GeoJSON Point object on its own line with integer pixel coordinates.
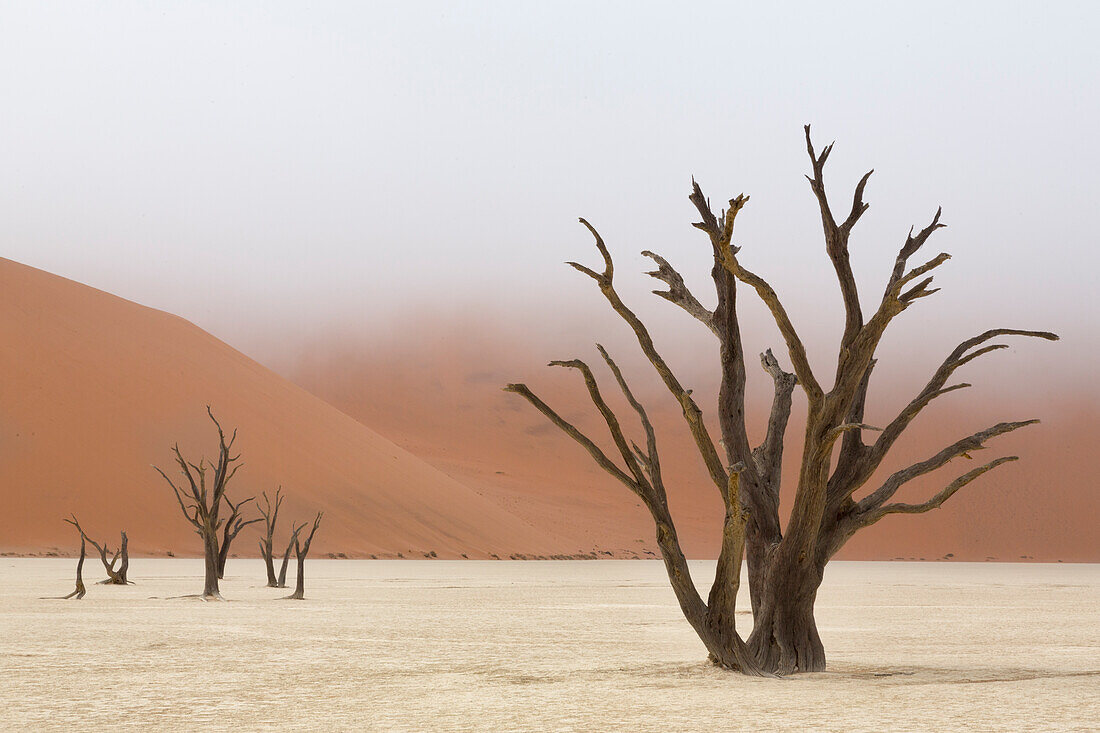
{"type": "Point", "coordinates": [94, 389]}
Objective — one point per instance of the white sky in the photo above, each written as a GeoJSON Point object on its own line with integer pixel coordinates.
{"type": "Point", "coordinates": [272, 165]}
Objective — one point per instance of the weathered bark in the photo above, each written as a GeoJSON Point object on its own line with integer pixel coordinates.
{"type": "Point", "coordinates": [270, 514]}
{"type": "Point", "coordinates": [301, 549]}
{"type": "Point", "coordinates": [785, 564]}
{"type": "Point", "coordinates": [201, 505]}
{"type": "Point", "coordinates": [231, 529]}
{"type": "Point", "coordinates": [120, 558]}
{"type": "Point", "coordinates": [784, 637]}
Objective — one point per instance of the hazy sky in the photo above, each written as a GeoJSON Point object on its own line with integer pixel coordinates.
{"type": "Point", "coordinates": [252, 164]}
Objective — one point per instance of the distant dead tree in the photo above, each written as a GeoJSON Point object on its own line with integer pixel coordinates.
{"type": "Point", "coordinates": [300, 552]}
{"type": "Point", "coordinates": [785, 565]}
{"type": "Point", "coordinates": [80, 590]}
{"type": "Point", "coordinates": [286, 555]}
{"type": "Point", "coordinates": [121, 557]}
{"type": "Point", "coordinates": [200, 500]}
{"type": "Point", "coordinates": [270, 512]}
{"type": "Point", "coordinates": [231, 529]}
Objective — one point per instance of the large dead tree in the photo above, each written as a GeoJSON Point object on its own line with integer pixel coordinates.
{"type": "Point", "coordinates": [119, 564]}
{"type": "Point", "coordinates": [270, 512]}
{"type": "Point", "coordinates": [200, 496]}
{"type": "Point", "coordinates": [785, 564]}
{"type": "Point", "coordinates": [301, 549]}
{"type": "Point", "coordinates": [232, 527]}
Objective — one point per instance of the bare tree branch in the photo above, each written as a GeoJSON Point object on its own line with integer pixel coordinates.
{"type": "Point", "coordinates": [769, 454]}
{"type": "Point", "coordinates": [836, 236]}
{"type": "Point", "coordinates": [936, 501]}
{"type": "Point", "coordinates": [651, 461]}
{"type": "Point", "coordinates": [609, 417]}
{"type": "Point", "coordinates": [692, 414]}
{"type": "Point", "coordinates": [935, 388]}
{"type": "Point", "coordinates": [962, 447]}
{"type": "Point", "coordinates": [569, 429]}
{"type": "Point", "coordinates": [795, 347]}
{"type": "Point", "coordinates": [678, 292]}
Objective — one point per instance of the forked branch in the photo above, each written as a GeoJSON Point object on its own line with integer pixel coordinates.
{"type": "Point", "coordinates": [935, 387]}
{"type": "Point", "coordinates": [692, 414]}
{"type": "Point", "coordinates": [964, 447]}
{"type": "Point", "coordinates": [836, 236]}
{"type": "Point", "coordinates": [678, 292]}
{"type": "Point", "coordinates": [936, 501]}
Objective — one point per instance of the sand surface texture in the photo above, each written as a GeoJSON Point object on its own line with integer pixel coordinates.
{"type": "Point", "coordinates": [543, 646]}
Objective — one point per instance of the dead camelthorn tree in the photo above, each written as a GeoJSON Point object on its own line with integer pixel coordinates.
{"type": "Point", "coordinates": [120, 558]}
{"type": "Point", "coordinates": [270, 512]}
{"type": "Point", "coordinates": [80, 590]}
{"type": "Point", "coordinates": [232, 527]}
{"type": "Point", "coordinates": [201, 499]}
{"type": "Point", "coordinates": [301, 549]}
{"type": "Point", "coordinates": [785, 564]}
{"type": "Point", "coordinates": [286, 555]}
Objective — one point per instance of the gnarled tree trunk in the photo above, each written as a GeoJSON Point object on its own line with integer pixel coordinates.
{"type": "Point", "coordinates": [785, 564]}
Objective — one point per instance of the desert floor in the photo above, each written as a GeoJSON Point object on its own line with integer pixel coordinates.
{"type": "Point", "coordinates": [596, 645]}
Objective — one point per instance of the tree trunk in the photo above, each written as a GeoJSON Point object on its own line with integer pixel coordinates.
{"type": "Point", "coordinates": [79, 592]}
{"type": "Point", "coordinates": [223, 555]}
{"type": "Point", "coordinates": [125, 566]}
{"type": "Point", "coordinates": [784, 638]}
{"type": "Point", "coordinates": [265, 553]}
{"type": "Point", "coordinates": [286, 561]}
{"type": "Point", "coordinates": [299, 593]}
{"type": "Point", "coordinates": [210, 590]}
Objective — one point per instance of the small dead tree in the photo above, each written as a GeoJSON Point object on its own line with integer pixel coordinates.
{"type": "Point", "coordinates": [286, 555]}
{"type": "Point", "coordinates": [300, 552]}
{"type": "Point", "coordinates": [120, 558]}
{"type": "Point", "coordinates": [200, 500]}
{"type": "Point", "coordinates": [785, 565]}
{"type": "Point", "coordinates": [80, 591]}
{"type": "Point", "coordinates": [231, 529]}
{"type": "Point", "coordinates": [270, 512]}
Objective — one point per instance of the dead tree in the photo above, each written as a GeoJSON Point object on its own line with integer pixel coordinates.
{"type": "Point", "coordinates": [286, 555]}
{"type": "Point", "coordinates": [231, 529]}
{"type": "Point", "coordinates": [120, 558]}
{"type": "Point", "coordinates": [785, 564]}
{"type": "Point", "coordinates": [270, 514]}
{"type": "Point", "coordinates": [300, 552]}
{"type": "Point", "coordinates": [200, 500]}
{"type": "Point", "coordinates": [80, 590]}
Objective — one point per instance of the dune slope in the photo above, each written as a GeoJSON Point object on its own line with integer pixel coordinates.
{"type": "Point", "coordinates": [95, 389]}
